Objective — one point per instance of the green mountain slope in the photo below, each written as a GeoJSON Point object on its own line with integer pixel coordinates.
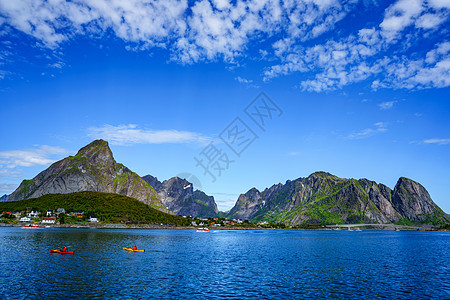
{"type": "Point", "coordinates": [108, 207]}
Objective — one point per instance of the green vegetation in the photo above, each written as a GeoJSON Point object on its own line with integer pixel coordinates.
{"type": "Point", "coordinates": [77, 158]}
{"type": "Point", "coordinates": [109, 208]}
{"type": "Point", "coordinates": [436, 218]}
{"type": "Point", "coordinates": [27, 184]}
{"type": "Point", "coordinates": [444, 227]}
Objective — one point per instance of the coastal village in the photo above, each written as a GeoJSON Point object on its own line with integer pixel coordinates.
{"type": "Point", "coordinates": [47, 218]}
{"type": "Point", "coordinates": [60, 216]}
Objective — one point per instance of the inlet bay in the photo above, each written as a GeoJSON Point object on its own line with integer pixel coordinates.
{"type": "Point", "coordinates": [251, 264]}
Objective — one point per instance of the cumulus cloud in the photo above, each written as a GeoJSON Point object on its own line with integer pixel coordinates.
{"type": "Point", "coordinates": [196, 31]}
{"type": "Point", "coordinates": [369, 53]}
{"type": "Point", "coordinates": [53, 22]}
{"type": "Point", "coordinates": [386, 54]}
{"type": "Point", "coordinates": [398, 16]}
{"type": "Point", "coordinates": [41, 155]}
{"type": "Point", "coordinates": [131, 134]}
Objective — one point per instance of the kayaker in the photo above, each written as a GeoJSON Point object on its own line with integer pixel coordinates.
{"type": "Point", "coordinates": [134, 248]}
{"type": "Point", "coordinates": [64, 249]}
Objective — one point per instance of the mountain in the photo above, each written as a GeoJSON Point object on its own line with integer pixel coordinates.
{"type": "Point", "coordinates": [4, 198]}
{"type": "Point", "coordinates": [179, 196]}
{"type": "Point", "coordinates": [93, 168]}
{"type": "Point", "coordinates": [325, 198]}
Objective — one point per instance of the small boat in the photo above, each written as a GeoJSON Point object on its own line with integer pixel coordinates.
{"type": "Point", "coordinates": [131, 249]}
{"type": "Point", "coordinates": [30, 226]}
{"type": "Point", "coordinates": [202, 229]}
{"type": "Point", "coordinates": [61, 252]}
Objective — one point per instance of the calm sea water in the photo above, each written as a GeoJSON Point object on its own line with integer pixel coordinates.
{"type": "Point", "coordinates": [224, 264]}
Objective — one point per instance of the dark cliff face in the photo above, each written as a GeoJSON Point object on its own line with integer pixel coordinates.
{"type": "Point", "coordinates": [178, 196]}
{"type": "Point", "coordinates": [247, 205]}
{"type": "Point", "coordinates": [153, 181]}
{"type": "Point", "coordinates": [93, 168]}
{"type": "Point", "coordinates": [412, 200]}
{"type": "Point", "coordinates": [325, 198]}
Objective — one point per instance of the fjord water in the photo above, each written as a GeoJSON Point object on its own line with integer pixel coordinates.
{"type": "Point", "coordinates": [224, 264]}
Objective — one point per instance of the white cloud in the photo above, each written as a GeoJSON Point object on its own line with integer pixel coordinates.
{"type": "Point", "coordinates": [429, 21]}
{"type": "Point", "coordinates": [204, 30]}
{"type": "Point", "coordinates": [386, 105]}
{"type": "Point", "coordinates": [433, 71]}
{"type": "Point", "coordinates": [41, 155]}
{"type": "Point", "coordinates": [437, 141]}
{"type": "Point", "coordinates": [438, 4]}
{"type": "Point", "coordinates": [6, 187]}
{"type": "Point", "coordinates": [400, 15]}
{"type": "Point", "coordinates": [243, 80]}
{"type": "Point", "coordinates": [130, 134]}
{"type": "Point", "coordinates": [54, 22]}
{"type": "Point", "coordinates": [196, 31]}
{"type": "Point", "coordinates": [247, 82]}
{"type": "Point", "coordinates": [368, 54]}
{"type": "Point", "coordinates": [378, 127]}
{"type": "Point", "coordinates": [10, 172]}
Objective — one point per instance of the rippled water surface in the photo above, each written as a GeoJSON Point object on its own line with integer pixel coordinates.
{"type": "Point", "coordinates": [224, 264]}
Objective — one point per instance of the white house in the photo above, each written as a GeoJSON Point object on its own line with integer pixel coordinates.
{"type": "Point", "coordinates": [93, 219]}
{"type": "Point", "coordinates": [33, 214]}
{"type": "Point", "coordinates": [48, 220]}
{"type": "Point", "coordinates": [25, 219]}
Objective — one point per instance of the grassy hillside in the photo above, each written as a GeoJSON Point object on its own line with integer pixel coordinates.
{"type": "Point", "coordinates": [110, 208]}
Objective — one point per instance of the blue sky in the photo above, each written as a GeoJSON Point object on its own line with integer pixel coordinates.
{"type": "Point", "coordinates": [356, 88]}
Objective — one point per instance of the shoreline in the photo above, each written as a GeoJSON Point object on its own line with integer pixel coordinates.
{"type": "Point", "coordinates": [382, 227]}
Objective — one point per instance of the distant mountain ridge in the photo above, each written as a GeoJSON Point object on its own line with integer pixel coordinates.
{"type": "Point", "coordinates": [325, 198]}
{"type": "Point", "coordinates": [4, 198]}
{"type": "Point", "coordinates": [319, 198]}
{"type": "Point", "coordinates": [179, 196]}
{"type": "Point", "coordinates": [93, 168]}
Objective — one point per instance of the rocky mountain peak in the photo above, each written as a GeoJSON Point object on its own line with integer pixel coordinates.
{"type": "Point", "coordinates": [322, 174]}
{"type": "Point", "coordinates": [97, 152]}
{"type": "Point", "coordinates": [252, 192]}
{"type": "Point", "coordinates": [325, 198]}
{"type": "Point", "coordinates": [179, 196]}
{"type": "Point", "coordinates": [412, 200]}
{"type": "Point", "coordinates": [93, 168]}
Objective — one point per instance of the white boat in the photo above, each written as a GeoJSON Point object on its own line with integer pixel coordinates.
{"type": "Point", "coordinates": [34, 226]}
{"type": "Point", "coordinates": [202, 229]}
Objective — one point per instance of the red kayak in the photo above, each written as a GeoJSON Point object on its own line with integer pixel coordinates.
{"type": "Point", "coordinates": [61, 252]}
